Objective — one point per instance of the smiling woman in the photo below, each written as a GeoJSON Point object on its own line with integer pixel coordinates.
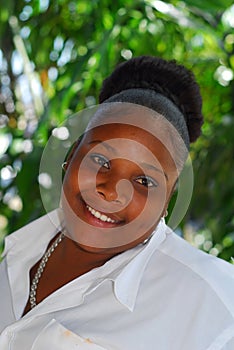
{"type": "Point", "coordinates": [122, 172]}
{"type": "Point", "coordinates": [104, 270]}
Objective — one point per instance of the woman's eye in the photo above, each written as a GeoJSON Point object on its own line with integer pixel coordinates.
{"type": "Point", "coordinates": [100, 160]}
{"type": "Point", "coordinates": [147, 181]}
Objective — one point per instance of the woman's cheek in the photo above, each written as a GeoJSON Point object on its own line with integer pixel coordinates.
{"type": "Point", "coordinates": [77, 179]}
{"type": "Point", "coordinates": [138, 205]}
{"type": "Point", "coordinates": [151, 205]}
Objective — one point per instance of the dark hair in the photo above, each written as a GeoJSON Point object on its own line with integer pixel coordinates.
{"type": "Point", "coordinates": [167, 78]}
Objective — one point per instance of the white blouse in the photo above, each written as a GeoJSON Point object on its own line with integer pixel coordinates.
{"type": "Point", "coordinates": [165, 295]}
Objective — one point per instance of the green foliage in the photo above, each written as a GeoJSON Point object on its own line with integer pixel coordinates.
{"type": "Point", "coordinates": [54, 56]}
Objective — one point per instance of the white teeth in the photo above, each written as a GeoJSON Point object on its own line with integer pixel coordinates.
{"type": "Point", "coordinates": [98, 215]}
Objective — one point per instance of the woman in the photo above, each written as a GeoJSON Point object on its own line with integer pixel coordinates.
{"type": "Point", "coordinates": [110, 274]}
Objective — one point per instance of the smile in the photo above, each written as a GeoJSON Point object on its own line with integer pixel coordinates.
{"type": "Point", "coordinates": [99, 215]}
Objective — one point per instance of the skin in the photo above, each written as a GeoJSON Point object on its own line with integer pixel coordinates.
{"type": "Point", "coordinates": [128, 177]}
{"type": "Point", "coordinates": [125, 173]}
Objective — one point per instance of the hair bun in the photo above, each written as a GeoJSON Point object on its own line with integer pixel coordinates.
{"type": "Point", "coordinates": [165, 77]}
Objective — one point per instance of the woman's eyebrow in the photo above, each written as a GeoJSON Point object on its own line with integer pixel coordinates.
{"type": "Point", "coordinates": [103, 143]}
{"type": "Point", "coordinates": [150, 166]}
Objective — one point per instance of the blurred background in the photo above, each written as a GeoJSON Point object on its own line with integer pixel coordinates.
{"type": "Point", "coordinates": [53, 58]}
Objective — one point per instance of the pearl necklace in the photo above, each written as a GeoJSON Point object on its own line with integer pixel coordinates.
{"type": "Point", "coordinates": [40, 270]}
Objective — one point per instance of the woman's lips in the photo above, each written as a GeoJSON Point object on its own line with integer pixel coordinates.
{"type": "Point", "coordinates": [99, 215]}
{"type": "Point", "coordinates": [98, 218]}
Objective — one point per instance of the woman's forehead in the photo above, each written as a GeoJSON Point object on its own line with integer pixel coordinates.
{"type": "Point", "coordinates": [130, 143]}
{"type": "Point", "coordinates": [137, 116]}
{"type": "Point", "coordinates": [129, 136]}
{"type": "Point", "coordinates": [114, 132]}
{"type": "Point", "coordinates": [142, 123]}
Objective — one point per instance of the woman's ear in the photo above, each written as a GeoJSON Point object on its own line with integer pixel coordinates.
{"type": "Point", "coordinates": [175, 187]}
{"type": "Point", "coordinates": [70, 153]}
{"type": "Point", "coordinates": [172, 192]}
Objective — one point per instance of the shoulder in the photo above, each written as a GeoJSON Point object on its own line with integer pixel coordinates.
{"type": "Point", "coordinates": [188, 293]}
{"type": "Point", "coordinates": [209, 273]}
{"type": "Point", "coordinates": [203, 264]}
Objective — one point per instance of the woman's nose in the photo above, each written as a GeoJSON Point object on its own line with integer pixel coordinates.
{"type": "Point", "coordinates": [116, 190]}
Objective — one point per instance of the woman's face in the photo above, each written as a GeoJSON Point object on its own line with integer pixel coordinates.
{"type": "Point", "coordinates": [116, 188]}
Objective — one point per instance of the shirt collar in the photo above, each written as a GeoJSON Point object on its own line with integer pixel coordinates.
{"type": "Point", "coordinates": [127, 281]}
{"type": "Point", "coordinates": [126, 269]}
